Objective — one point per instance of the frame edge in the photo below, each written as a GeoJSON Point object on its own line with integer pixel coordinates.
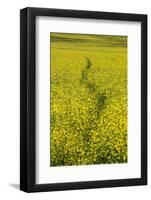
{"type": "Point", "coordinates": [23, 100]}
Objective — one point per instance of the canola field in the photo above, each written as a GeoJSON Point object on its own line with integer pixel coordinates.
{"type": "Point", "coordinates": [88, 99]}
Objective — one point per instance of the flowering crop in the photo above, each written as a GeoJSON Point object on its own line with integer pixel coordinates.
{"type": "Point", "coordinates": [88, 115]}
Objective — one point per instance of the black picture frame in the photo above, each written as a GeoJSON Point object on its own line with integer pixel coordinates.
{"type": "Point", "coordinates": [28, 99]}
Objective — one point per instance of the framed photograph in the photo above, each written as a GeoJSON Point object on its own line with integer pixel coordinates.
{"type": "Point", "coordinates": [83, 99]}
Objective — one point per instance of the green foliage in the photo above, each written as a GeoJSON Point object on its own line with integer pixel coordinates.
{"type": "Point", "coordinates": [88, 99]}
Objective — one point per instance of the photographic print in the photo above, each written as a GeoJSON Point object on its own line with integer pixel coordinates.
{"type": "Point", "coordinates": [83, 99]}
{"type": "Point", "coordinates": [88, 99]}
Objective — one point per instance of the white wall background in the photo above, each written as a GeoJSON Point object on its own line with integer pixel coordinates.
{"type": "Point", "coordinates": [9, 99]}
